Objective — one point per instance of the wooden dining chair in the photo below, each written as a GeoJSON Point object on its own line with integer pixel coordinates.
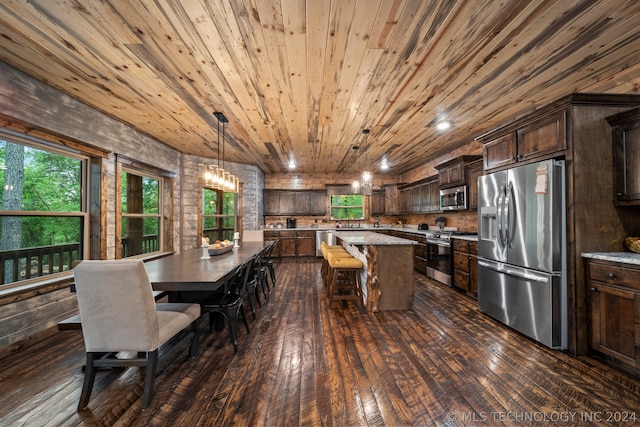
{"type": "Point", "coordinates": [119, 314]}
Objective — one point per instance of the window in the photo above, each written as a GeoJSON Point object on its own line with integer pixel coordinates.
{"type": "Point", "coordinates": [218, 214]}
{"type": "Point", "coordinates": [141, 213]}
{"type": "Point", "coordinates": [44, 220]}
{"type": "Point", "coordinates": [347, 206]}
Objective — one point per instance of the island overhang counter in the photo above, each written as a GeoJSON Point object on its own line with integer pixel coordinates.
{"type": "Point", "coordinates": [387, 277]}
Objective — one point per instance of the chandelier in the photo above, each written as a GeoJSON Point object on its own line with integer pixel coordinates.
{"type": "Point", "coordinates": [215, 175]}
{"type": "Point", "coordinates": [365, 184]}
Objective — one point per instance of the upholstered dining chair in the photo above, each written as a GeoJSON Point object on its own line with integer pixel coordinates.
{"type": "Point", "coordinates": [119, 314]}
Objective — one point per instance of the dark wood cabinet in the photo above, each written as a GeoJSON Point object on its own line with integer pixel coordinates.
{"type": "Point", "coordinates": [465, 266]}
{"type": "Point", "coordinates": [288, 244]}
{"type": "Point", "coordinates": [614, 301]}
{"type": "Point", "coordinates": [540, 138]}
{"type": "Point", "coordinates": [420, 197]}
{"type": "Point", "coordinates": [271, 202]}
{"type": "Point", "coordinates": [301, 203]}
{"type": "Point", "coordinates": [543, 136]}
{"type": "Point", "coordinates": [474, 171]}
{"type": "Point", "coordinates": [451, 175]}
{"type": "Point", "coordinates": [473, 270]}
{"type": "Point", "coordinates": [452, 172]}
{"type": "Point", "coordinates": [499, 152]}
{"type": "Point", "coordinates": [318, 203]}
{"type": "Point", "coordinates": [305, 243]}
{"type": "Point", "coordinates": [282, 202]}
{"type": "Point", "coordinates": [377, 202]}
{"type": "Point", "coordinates": [292, 243]}
{"type": "Point", "coordinates": [391, 200]}
{"type": "Point", "coordinates": [626, 157]}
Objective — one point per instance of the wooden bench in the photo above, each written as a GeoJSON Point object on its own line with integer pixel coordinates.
{"type": "Point", "coordinates": [73, 323]}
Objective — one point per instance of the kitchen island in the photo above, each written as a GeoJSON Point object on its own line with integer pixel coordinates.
{"type": "Point", "coordinates": [388, 268]}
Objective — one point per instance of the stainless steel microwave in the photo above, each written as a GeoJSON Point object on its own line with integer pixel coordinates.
{"type": "Point", "coordinates": [452, 199]}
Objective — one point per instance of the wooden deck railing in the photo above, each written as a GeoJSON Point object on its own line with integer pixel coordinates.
{"type": "Point", "coordinates": [27, 263]}
{"type": "Point", "coordinates": [22, 264]}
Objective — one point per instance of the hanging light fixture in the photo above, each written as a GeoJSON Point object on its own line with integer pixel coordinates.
{"type": "Point", "coordinates": [365, 184]}
{"type": "Point", "coordinates": [216, 176]}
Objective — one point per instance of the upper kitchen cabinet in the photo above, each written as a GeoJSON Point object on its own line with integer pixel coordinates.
{"type": "Point", "coordinates": [540, 138]}
{"type": "Point", "coordinates": [391, 199]}
{"type": "Point", "coordinates": [420, 197]}
{"type": "Point", "coordinates": [281, 202]}
{"type": "Point", "coordinates": [377, 202]}
{"type": "Point", "coordinates": [318, 202]}
{"type": "Point", "coordinates": [626, 157]}
{"type": "Point", "coordinates": [473, 171]}
{"type": "Point", "coordinates": [451, 173]}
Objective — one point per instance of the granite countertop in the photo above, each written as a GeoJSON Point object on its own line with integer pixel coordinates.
{"type": "Point", "coordinates": [624, 257]}
{"type": "Point", "coordinates": [371, 238]}
{"type": "Point", "coordinates": [370, 228]}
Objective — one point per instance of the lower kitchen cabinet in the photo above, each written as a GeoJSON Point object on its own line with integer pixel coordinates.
{"type": "Point", "coordinates": [420, 257]}
{"type": "Point", "coordinates": [292, 243]}
{"type": "Point", "coordinates": [614, 308]}
{"type": "Point", "coordinates": [465, 266]}
{"type": "Point", "coordinates": [305, 243]}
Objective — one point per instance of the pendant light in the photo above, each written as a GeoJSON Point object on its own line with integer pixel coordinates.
{"type": "Point", "coordinates": [365, 184]}
{"type": "Point", "coordinates": [216, 176]}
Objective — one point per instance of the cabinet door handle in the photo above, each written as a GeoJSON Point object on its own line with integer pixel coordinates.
{"type": "Point", "coordinates": [612, 276]}
{"type": "Point", "coordinates": [594, 290]}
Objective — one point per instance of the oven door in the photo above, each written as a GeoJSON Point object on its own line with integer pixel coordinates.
{"type": "Point", "coordinates": [439, 260]}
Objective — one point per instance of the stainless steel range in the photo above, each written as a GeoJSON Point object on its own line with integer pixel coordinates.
{"type": "Point", "coordinates": [439, 256]}
{"type": "Point", "coordinates": [439, 259]}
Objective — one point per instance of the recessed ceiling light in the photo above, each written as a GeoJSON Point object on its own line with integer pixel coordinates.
{"type": "Point", "coordinates": [443, 125]}
{"type": "Point", "coordinates": [384, 165]}
{"type": "Point", "coordinates": [292, 164]}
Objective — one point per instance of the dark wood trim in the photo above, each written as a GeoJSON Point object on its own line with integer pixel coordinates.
{"type": "Point", "coordinates": [133, 163]}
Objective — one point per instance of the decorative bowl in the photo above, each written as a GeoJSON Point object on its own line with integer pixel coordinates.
{"type": "Point", "coordinates": [220, 251]}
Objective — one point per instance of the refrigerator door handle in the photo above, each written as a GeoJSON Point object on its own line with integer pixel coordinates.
{"type": "Point", "coordinates": [500, 216]}
{"type": "Point", "coordinates": [514, 272]}
{"type": "Point", "coordinates": [511, 215]}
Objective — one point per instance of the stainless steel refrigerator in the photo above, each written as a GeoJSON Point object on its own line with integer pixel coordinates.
{"type": "Point", "coordinates": [522, 250]}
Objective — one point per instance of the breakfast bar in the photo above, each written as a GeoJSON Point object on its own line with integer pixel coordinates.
{"type": "Point", "coordinates": [387, 282]}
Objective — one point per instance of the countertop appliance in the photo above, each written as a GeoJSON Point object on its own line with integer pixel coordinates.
{"type": "Point", "coordinates": [452, 199]}
{"type": "Point", "coordinates": [291, 223]}
{"type": "Point", "coordinates": [522, 250]}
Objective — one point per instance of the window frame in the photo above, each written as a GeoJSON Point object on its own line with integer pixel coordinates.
{"type": "Point", "coordinates": [165, 188]}
{"type": "Point", "coordinates": [86, 161]}
{"type": "Point", "coordinates": [332, 207]}
{"type": "Point", "coordinates": [202, 216]}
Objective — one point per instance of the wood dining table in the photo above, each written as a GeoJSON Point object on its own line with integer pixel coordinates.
{"type": "Point", "coordinates": [187, 272]}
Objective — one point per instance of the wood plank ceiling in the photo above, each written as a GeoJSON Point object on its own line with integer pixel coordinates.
{"type": "Point", "coordinates": [301, 79]}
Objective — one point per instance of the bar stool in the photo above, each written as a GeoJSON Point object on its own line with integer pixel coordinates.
{"type": "Point", "coordinates": [326, 249]}
{"type": "Point", "coordinates": [344, 273]}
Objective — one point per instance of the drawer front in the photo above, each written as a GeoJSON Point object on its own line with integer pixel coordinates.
{"type": "Point", "coordinates": [460, 245]}
{"type": "Point", "coordinates": [420, 264]}
{"type": "Point", "coordinates": [473, 248]}
{"type": "Point", "coordinates": [420, 250]}
{"type": "Point", "coordinates": [461, 261]}
{"type": "Point", "coordinates": [461, 280]}
{"type": "Point", "coordinates": [615, 275]}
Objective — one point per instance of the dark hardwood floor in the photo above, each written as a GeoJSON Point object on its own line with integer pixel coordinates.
{"type": "Point", "coordinates": [304, 363]}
